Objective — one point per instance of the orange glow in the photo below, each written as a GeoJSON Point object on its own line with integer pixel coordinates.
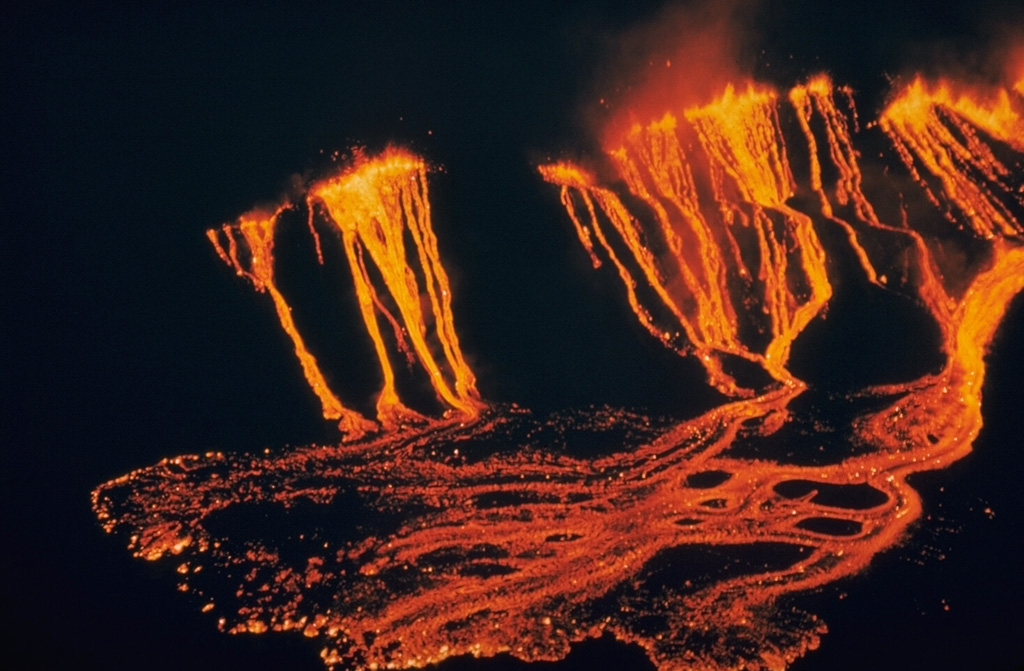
{"type": "Point", "coordinates": [743, 161]}
{"type": "Point", "coordinates": [375, 204]}
{"type": "Point", "coordinates": [1015, 68]}
{"type": "Point", "coordinates": [257, 238]}
{"type": "Point", "coordinates": [936, 129]}
{"type": "Point", "coordinates": [817, 97]}
{"type": "Point", "coordinates": [463, 546]}
{"type": "Point", "coordinates": [703, 334]}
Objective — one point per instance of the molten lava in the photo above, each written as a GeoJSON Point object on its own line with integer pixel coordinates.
{"type": "Point", "coordinates": [376, 204]}
{"type": "Point", "coordinates": [255, 232]}
{"type": "Point", "coordinates": [743, 163]}
{"type": "Point", "coordinates": [484, 532]}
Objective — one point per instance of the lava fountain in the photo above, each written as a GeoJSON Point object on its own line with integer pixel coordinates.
{"type": "Point", "coordinates": [419, 537]}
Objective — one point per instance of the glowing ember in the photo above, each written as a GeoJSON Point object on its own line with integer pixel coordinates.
{"type": "Point", "coordinates": [483, 532]}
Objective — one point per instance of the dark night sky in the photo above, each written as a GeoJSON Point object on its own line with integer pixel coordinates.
{"type": "Point", "coordinates": [129, 132]}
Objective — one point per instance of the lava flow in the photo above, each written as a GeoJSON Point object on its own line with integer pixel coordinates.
{"type": "Point", "coordinates": [375, 204]}
{"type": "Point", "coordinates": [747, 170]}
{"type": "Point", "coordinates": [492, 530]}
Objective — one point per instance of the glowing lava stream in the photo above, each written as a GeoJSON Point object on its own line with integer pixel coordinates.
{"type": "Point", "coordinates": [747, 170]}
{"type": "Point", "coordinates": [256, 231]}
{"type": "Point", "coordinates": [473, 539]}
{"type": "Point", "coordinates": [374, 203]}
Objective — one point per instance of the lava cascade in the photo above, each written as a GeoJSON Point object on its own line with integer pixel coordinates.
{"type": "Point", "coordinates": [743, 163]}
{"type": "Point", "coordinates": [254, 233]}
{"type": "Point", "coordinates": [483, 535]}
{"type": "Point", "coordinates": [377, 204]}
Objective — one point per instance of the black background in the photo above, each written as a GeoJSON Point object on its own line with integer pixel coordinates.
{"type": "Point", "coordinates": [129, 132]}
